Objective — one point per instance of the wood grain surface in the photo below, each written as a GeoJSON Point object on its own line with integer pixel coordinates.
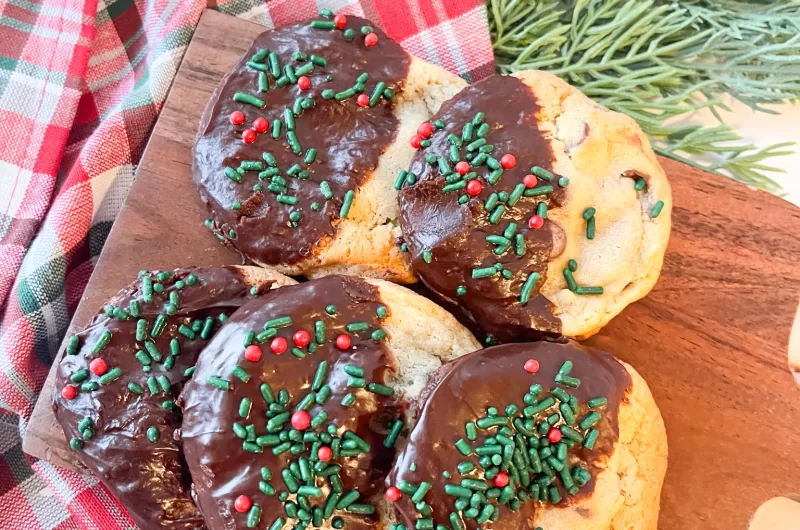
{"type": "Point", "coordinates": [711, 339]}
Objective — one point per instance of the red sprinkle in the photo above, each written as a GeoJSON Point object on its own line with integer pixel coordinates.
{"type": "Point", "coordinates": [242, 503]}
{"type": "Point", "coordinates": [508, 161]}
{"type": "Point", "coordinates": [554, 435]}
{"type": "Point", "coordinates": [301, 420]}
{"type": "Point", "coordinates": [371, 39]}
{"type": "Point", "coordinates": [278, 345]}
{"type": "Point", "coordinates": [98, 366]}
{"type": "Point", "coordinates": [531, 366]}
{"type": "Point", "coordinates": [530, 181]}
{"type": "Point", "coordinates": [324, 454]}
{"type": "Point", "coordinates": [340, 21]}
{"type": "Point", "coordinates": [416, 142]}
{"type": "Point", "coordinates": [261, 125]}
{"type": "Point", "coordinates": [474, 188]}
{"type": "Point", "coordinates": [252, 353]}
{"type": "Point", "coordinates": [393, 494]}
{"type": "Point", "coordinates": [343, 341]}
{"type": "Point", "coordinates": [462, 167]}
{"type": "Point", "coordinates": [501, 480]}
{"type": "Point", "coordinates": [425, 129]}
{"type": "Point", "coordinates": [237, 117]}
{"type": "Point", "coordinates": [536, 222]}
{"type": "Point", "coordinates": [69, 392]}
{"type": "Point", "coordinates": [249, 136]}
{"type": "Point", "coordinates": [362, 100]}
{"type": "Point", "coordinates": [303, 82]}
{"type": "Point", "coordinates": [301, 338]}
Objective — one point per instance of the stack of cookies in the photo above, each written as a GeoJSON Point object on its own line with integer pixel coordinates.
{"type": "Point", "coordinates": [236, 397]}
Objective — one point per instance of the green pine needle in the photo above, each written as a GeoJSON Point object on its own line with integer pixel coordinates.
{"type": "Point", "coordinates": [659, 60]}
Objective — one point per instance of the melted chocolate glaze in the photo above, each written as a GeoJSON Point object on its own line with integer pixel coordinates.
{"type": "Point", "coordinates": [461, 391]}
{"type": "Point", "coordinates": [222, 469]}
{"type": "Point", "coordinates": [349, 140]}
{"type": "Point", "coordinates": [455, 234]}
{"type": "Point", "coordinates": [150, 479]}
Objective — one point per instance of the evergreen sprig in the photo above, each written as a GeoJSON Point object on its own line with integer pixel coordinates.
{"type": "Point", "coordinates": [659, 61]}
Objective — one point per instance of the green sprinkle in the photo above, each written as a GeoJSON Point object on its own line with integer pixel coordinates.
{"type": "Point", "coordinates": [345, 94]}
{"type": "Point", "coordinates": [656, 211]}
{"type": "Point", "coordinates": [461, 290]}
{"type": "Point", "coordinates": [591, 438]}
{"type": "Point", "coordinates": [454, 187]}
{"type": "Point", "coordinates": [356, 327]}
{"type": "Point", "coordinates": [394, 433]}
{"type": "Point", "coordinates": [110, 376]}
{"type": "Point", "coordinates": [186, 331]}
{"type": "Point", "coordinates": [73, 344]}
{"type": "Point", "coordinates": [463, 447]}
{"type": "Point", "coordinates": [79, 376]}
{"type": "Point", "coordinates": [566, 380]}
{"type": "Point", "coordinates": [497, 214]}
{"type": "Point", "coordinates": [253, 516]}
{"type": "Point", "coordinates": [347, 499]}
{"type": "Point", "coordinates": [419, 494]}
{"type": "Point", "coordinates": [527, 288]}
{"type": "Point", "coordinates": [572, 285]}
{"type": "Point", "coordinates": [589, 290]}
{"type": "Point", "coordinates": [401, 178]}
{"type": "Point", "coordinates": [153, 434]}
{"type": "Point", "coordinates": [377, 93]}
{"type": "Point", "coordinates": [597, 402]}
{"type": "Point", "coordinates": [590, 420]}
{"type": "Point", "coordinates": [348, 202]}
{"type": "Point", "coordinates": [639, 184]}
{"type": "Point", "coordinates": [159, 325]}
{"type": "Point", "coordinates": [218, 382]}
{"type": "Point", "coordinates": [348, 400]}
{"type": "Point", "coordinates": [320, 376]}
{"type": "Point", "coordinates": [563, 182]}
{"type": "Point", "coordinates": [537, 191]}
{"type": "Point", "coordinates": [590, 228]}
{"type": "Point", "coordinates": [242, 97]}
{"type": "Point", "coordinates": [323, 24]}
{"type": "Point", "coordinates": [484, 272]}
{"type": "Point", "coordinates": [378, 335]}
{"type": "Point", "coordinates": [101, 343]}
{"type": "Point", "coordinates": [377, 388]}
{"type": "Point", "coordinates": [356, 382]}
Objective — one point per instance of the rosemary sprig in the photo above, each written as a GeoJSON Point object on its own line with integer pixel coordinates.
{"type": "Point", "coordinates": [660, 60]}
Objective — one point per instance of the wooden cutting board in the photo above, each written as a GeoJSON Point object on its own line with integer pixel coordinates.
{"type": "Point", "coordinates": [711, 339]}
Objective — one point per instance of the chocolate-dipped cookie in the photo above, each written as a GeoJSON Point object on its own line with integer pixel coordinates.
{"type": "Point", "coordinates": [534, 209]}
{"type": "Point", "coordinates": [521, 436]}
{"type": "Point", "coordinates": [298, 147]}
{"type": "Point", "coordinates": [119, 379]}
{"type": "Point", "coordinates": [295, 406]}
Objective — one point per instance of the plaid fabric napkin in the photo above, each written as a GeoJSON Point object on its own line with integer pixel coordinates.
{"type": "Point", "coordinates": [81, 85]}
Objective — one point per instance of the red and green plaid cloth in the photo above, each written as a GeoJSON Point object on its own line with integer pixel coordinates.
{"type": "Point", "coordinates": [81, 85]}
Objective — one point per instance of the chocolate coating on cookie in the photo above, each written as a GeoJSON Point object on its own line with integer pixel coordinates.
{"type": "Point", "coordinates": [129, 439]}
{"type": "Point", "coordinates": [455, 237]}
{"type": "Point", "coordinates": [513, 437]}
{"type": "Point", "coordinates": [283, 201]}
{"type": "Point", "coordinates": [244, 432]}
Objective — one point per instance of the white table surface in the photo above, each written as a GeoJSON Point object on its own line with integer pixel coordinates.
{"type": "Point", "coordinates": [763, 130]}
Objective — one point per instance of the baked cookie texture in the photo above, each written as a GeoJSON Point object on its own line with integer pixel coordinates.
{"type": "Point", "coordinates": [240, 433]}
{"type": "Point", "coordinates": [627, 492]}
{"type": "Point", "coordinates": [359, 151]}
{"type": "Point", "coordinates": [117, 390]}
{"type": "Point", "coordinates": [627, 461]}
{"type": "Point", "coordinates": [592, 157]}
{"type": "Point", "coordinates": [593, 147]}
